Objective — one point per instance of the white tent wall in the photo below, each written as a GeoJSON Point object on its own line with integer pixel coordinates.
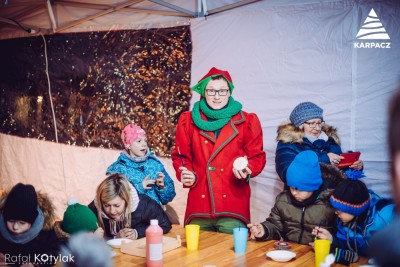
{"type": "Point", "coordinates": [279, 53]}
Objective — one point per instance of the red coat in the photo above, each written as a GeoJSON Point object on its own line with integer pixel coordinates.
{"type": "Point", "coordinates": [217, 192]}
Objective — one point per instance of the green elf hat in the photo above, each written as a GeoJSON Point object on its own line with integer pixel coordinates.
{"type": "Point", "coordinates": [78, 218]}
{"type": "Point", "coordinates": [201, 85]}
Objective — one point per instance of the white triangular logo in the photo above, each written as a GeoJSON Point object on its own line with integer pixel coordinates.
{"type": "Point", "coordinates": [372, 28]}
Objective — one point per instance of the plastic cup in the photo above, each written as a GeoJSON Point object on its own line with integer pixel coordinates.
{"type": "Point", "coordinates": [321, 248]}
{"type": "Point", "coordinates": [240, 236]}
{"type": "Point", "coordinates": [192, 236]}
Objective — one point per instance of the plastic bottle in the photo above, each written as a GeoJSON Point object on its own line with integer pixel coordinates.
{"type": "Point", "coordinates": [154, 240]}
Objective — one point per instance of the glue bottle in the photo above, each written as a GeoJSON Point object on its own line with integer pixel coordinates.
{"type": "Point", "coordinates": [154, 241]}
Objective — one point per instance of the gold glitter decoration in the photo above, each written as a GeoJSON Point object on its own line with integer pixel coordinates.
{"type": "Point", "coordinates": [100, 82]}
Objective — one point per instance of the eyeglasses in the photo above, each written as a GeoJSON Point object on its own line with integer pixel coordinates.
{"type": "Point", "coordinates": [221, 92]}
{"type": "Point", "coordinates": [314, 124]}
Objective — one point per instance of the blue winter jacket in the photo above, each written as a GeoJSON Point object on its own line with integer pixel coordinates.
{"type": "Point", "coordinates": [379, 214]}
{"type": "Point", "coordinates": [136, 172]}
{"type": "Point", "coordinates": [291, 141]}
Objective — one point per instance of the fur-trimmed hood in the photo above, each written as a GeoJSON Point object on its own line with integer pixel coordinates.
{"type": "Point", "coordinates": [45, 205]}
{"type": "Point", "coordinates": [331, 177]}
{"type": "Point", "coordinates": [288, 133]}
{"type": "Point", "coordinates": [61, 234]}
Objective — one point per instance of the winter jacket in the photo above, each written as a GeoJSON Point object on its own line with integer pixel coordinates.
{"type": "Point", "coordinates": [295, 223]}
{"type": "Point", "coordinates": [146, 210]}
{"type": "Point", "coordinates": [379, 214]}
{"type": "Point", "coordinates": [291, 141]}
{"type": "Point", "coordinates": [136, 172]}
{"type": "Point", "coordinates": [216, 191]}
{"type": "Point", "coordinates": [39, 248]}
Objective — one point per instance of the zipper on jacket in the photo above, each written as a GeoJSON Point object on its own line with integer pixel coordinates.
{"type": "Point", "coordinates": [301, 225]}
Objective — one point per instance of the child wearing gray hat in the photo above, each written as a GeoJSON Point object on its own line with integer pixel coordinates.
{"type": "Point", "coordinates": [306, 130]}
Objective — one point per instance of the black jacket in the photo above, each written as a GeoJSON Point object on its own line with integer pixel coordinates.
{"type": "Point", "coordinates": [146, 210]}
{"type": "Point", "coordinates": [36, 251]}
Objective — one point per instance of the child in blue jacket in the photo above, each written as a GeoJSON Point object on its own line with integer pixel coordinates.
{"type": "Point", "coordinates": [141, 167]}
{"type": "Point", "coordinates": [361, 213]}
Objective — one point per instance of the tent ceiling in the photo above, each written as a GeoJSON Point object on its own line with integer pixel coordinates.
{"type": "Point", "coordinates": [56, 16]}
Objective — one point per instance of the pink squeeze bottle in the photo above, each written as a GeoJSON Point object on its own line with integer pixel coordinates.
{"type": "Point", "coordinates": [154, 240]}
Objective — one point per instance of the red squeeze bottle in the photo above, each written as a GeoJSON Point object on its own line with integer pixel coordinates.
{"type": "Point", "coordinates": [154, 240]}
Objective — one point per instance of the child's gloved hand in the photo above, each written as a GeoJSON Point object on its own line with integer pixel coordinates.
{"type": "Point", "coordinates": [345, 256]}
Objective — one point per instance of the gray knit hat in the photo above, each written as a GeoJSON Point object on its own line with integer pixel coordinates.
{"type": "Point", "coordinates": [304, 112]}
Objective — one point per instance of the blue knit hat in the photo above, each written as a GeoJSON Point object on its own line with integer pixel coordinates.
{"type": "Point", "coordinates": [304, 173]}
{"type": "Point", "coordinates": [351, 195]}
{"type": "Point", "coordinates": [305, 111]}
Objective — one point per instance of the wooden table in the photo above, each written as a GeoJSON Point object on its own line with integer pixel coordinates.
{"type": "Point", "coordinates": [217, 249]}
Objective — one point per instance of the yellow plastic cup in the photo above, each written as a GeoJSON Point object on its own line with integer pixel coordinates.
{"type": "Point", "coordinates": [321, 248]}
{"type": "Point", "coordinates": [192, 236]}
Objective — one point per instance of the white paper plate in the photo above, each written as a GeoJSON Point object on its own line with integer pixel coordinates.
{"type": "Point", "coordinates": [281, 255]}
{"type": "Point", "coordinates": [116, 243]}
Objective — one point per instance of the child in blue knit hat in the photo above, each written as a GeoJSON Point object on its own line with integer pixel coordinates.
{"type": "Point", "coordinates": [361, 213]}
{"type": "Point", "coordinates": [304, 205]}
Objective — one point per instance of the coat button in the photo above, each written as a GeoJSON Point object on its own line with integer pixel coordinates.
{"type": "Point", "coordinates": [205, 142]}
{"type": "Point", "coordinates": [203, 196]}
{"type": "Point", "coordinates": [223, 196]}
{"type": "Point", "coordinates": [222, 170]}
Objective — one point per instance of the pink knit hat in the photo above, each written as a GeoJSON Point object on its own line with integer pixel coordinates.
{"type": "Point", "coordinates": [130, 133]}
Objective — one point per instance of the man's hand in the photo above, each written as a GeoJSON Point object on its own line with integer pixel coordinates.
{"type": "Point", "coordinates": [187, 177]}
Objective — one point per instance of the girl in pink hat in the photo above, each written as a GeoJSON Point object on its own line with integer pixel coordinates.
{"type": "Point", "coordinates": [141, 167]}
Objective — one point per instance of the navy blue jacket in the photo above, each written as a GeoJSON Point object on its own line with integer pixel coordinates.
{"type": "Point", "coordinates": [291, 141]}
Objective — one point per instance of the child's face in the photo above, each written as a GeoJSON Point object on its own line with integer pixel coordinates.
{"type": "Point", "coordinates": [18, 227]}
{"type": "Point", "coordinates": [215, 88]}
{"type": "Point", "coordinates": [344, 216]}
{"type": "Point", "coordinates": [114, 208]}
{"type": "Point", "coordinates": [138, 147]}
{"type": "Point", "coordinates": [300, 195]}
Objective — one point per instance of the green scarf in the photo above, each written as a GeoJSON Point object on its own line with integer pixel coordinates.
{"type": "Point", "coordinates": [220, 117]}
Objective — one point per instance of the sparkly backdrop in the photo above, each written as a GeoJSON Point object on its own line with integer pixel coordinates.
{"type": "Point", "coordinates": [100, 81]}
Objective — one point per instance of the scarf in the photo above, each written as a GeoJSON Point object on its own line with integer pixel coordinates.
{"type": "Point", "coordinates": [219, 117]}
{"type": "Point", "coordinates": [322, 136]}
{"type": "Point", "coordinates": [139, 159]}
{"type": "Point", "coordinates": [29, 235]}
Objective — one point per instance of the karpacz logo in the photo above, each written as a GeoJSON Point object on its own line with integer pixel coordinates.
{"type": "Point", "coordinates": [372, 29]}
{"type": "Point", "coordinates": [372, 45]}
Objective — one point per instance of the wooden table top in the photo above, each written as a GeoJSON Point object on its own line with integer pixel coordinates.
{"type": "Point", "coordinates": [216, 249]}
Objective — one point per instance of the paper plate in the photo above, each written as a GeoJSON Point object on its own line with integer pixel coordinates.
{"type": "Point", "coordinates": [281, 255]}
{"type": "Point", "coordinates": [116, 243]}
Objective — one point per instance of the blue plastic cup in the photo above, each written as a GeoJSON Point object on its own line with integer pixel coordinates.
{"type": "Point", "coordinates": [240, 236]}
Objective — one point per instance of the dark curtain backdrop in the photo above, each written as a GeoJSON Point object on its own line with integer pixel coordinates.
{"type": "Point", "coordinates": [100, 81]}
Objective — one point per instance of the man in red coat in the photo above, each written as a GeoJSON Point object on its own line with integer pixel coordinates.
{"type": "Point", "coordinates": [208, 140]}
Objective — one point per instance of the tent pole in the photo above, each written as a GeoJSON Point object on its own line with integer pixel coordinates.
{"type": "Point", "coordinates": [51, 15]}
